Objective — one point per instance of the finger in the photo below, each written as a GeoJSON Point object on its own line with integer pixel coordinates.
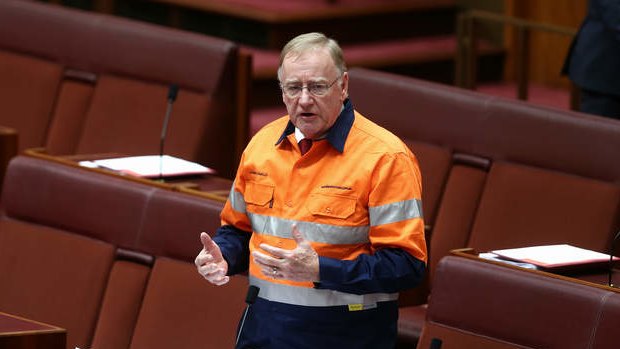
{"type": "Point", "coordinates": [262, 259]}
{"type": "Point", "coordinates": [211, 247]}
{"type": "Point", "coordinates": [265, 260]}
{"type": "Point", "coordinates": [204, 238]}
{"type": "Point", "coordinates": [269, 272]}
{"type": "Point", "coordinates": [298, 236]}
{"type": "Point", "coordinates": [203, 258]}
{"type": "Point", "coordinates": [210, 269]}
{"type": "Point", "coordinates": [221, 281]}
{"type": "Point", "coordinates": [274, 251]}
{"type": "Point", "coordinates": [217, 278]}
{"type": "Point", "coordinates": [200, 260]}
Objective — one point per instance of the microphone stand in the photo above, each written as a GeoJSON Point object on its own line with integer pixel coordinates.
{"type": "Point", "coordinates": [172, 96]}
{"type": "Point", "coordinates": [249, 299]}
{"type": "Point", "coordinates": [611, 259]}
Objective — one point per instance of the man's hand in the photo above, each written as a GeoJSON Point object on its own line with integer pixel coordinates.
{"type": "Point", "coordinates": [210, 263]}
{"type": "Point", "coordinates": [298, 264]}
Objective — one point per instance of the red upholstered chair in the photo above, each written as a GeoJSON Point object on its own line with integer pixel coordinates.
{"type": "Point", "coordinates": [59, 236]}
{"type": "Point", "coordinates": [173, 223]}
{"type": "Point", "coordinates": [523, 205]}
{"type": "Point", "coordinates": [80, 82]}
{"type": "Point", "coordinates": [104, 257]}
{"type": "Point", "coordinates": [66, 126]}
{"type": "Point", "coordinates": [28, 89]}
{"type": "Point", "coordinates": [54, 276]}
{"type": "Point", "coordinates": [486, 306]}
{"type": "Point", "coordinates": [182, 310]}
{"type": "Point", "coordinates": [121, 304]}
{"type": "Point", "coordinates": [517, 173]}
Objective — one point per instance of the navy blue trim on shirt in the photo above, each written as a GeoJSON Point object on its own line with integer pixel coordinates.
{"type": "Point", "coordinates": [338, 133]}
{"type": "Point", "coordinates": [388, 270]}
{"type": "Point", "coordinates": [234, 244]}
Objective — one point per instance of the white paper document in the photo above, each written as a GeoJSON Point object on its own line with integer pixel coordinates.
{"type": "Point", "coordinates": [554, 256]}
{"type": "Point", "coordinates": [151, 166]}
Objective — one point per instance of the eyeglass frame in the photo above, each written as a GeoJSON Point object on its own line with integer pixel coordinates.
{"type": "Point", "coordinates": [308, 87]}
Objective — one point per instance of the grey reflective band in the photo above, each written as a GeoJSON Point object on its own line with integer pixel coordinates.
{"type": "Point", "coordinates": [312, 297]}
{"type": "Point", "coordinates": [236, 200]}
{"type": "Point", "coordinates": [316, 232]}
{"type": "Point", "coordinates": [395, 212]}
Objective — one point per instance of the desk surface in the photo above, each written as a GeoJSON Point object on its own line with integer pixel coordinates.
{"type": "Point", "coordinates": [12, 324]}
{"type": "Point", "coordinates": [207, 186]}
{"type": "Point", "coordinates": [594, 277]}
{"type": "Point", "coordinates": [18, 332]}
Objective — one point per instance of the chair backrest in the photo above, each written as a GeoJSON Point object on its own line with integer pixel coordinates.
{"type": "Point", "coordinates": [104, 257]}
{"type": "Point", "coordinates": [80, 82]}
{"type": "Point", "coordinates": [486, 306]}
{"type": "Point", "coordinates": [496, 172]}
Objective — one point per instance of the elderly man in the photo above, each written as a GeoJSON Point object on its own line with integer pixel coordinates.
{"type": "Point", "coordinates": [325, 213]}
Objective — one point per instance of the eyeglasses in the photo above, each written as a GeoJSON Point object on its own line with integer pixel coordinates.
{"type": "Point", "coordinates": [317, 89]}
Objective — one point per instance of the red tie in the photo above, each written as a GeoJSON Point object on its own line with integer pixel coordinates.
{"type": "Point", "coordinates": [304, 145]}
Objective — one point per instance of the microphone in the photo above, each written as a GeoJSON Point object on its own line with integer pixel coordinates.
{"type": "Point", "coordinates": [172, 96]}
{"type": "Point", "coordinates": [611, 259]}
{"type": "Point", "coordinates": [435, 343]}
{"type": "Point", "coordinates": [249, 299]}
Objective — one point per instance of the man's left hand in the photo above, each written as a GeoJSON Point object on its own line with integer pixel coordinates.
{"type": "Point", "coordinates": [298, 264]}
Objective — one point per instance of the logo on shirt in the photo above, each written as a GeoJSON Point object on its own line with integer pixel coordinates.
{"type": "Point", "coordinates": [257, 173]}
{"type": "Point", "coordinates": [335, 187]}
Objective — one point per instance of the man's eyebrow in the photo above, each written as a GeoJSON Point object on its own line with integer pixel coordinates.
{"type": "Point", "coordinates": [313, 80]}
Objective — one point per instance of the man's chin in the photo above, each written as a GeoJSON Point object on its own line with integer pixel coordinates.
{"type": "Point", "coordinates": [307, 128]}
{"type": "Point", "coordinates": [309, 133]}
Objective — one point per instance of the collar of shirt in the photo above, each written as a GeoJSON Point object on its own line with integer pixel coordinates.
{"type": "Point", "coordinates": [336, 135]}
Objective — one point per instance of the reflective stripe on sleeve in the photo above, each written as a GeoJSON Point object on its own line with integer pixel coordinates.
{"type": "Point", "coordinates": [313, 297]}
{"type": "Point", "coordinates": [237, 202]}
{"type": "Point", "coordinates": [316, 232]}
{"type": "Point", "coordinates": [395, 212]}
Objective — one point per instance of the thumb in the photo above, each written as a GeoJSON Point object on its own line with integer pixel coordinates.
{"type": "Point", "coordinates": [299, 237]}
{"type": "Point", "coordinates": [210, 246]}
{"type": "Point", "coordinates": [204, 238]}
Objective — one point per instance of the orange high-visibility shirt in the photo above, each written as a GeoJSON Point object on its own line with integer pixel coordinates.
{"type": "Point", "coordinates": [348, 203]}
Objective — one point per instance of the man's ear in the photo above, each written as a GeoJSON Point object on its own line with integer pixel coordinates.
{"type": "Point", "coordinates": [345, 85]}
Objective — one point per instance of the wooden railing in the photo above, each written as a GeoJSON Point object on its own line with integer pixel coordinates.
{"type": "Point", "coordinates": [468, 23]}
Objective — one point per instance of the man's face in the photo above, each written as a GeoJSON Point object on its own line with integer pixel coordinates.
{"type": "Point", "coordinates": [313, 71]}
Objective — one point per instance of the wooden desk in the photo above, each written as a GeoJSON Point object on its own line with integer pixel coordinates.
{"type": "Point", "coordinates": [591, 277]}
{"type": "Point", "coordinates": [206, 186]}
{"type": "Point", "coordinates": [20, 333]}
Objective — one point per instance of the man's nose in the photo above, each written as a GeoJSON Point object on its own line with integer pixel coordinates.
{"type": "Point", "coordinates": [305, 97]}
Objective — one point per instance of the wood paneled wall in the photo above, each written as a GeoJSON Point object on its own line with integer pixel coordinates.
{"type": "Point", "coordinates": [547, 50]}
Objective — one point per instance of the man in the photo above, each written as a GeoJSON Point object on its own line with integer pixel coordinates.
{"type": "Point", "coordinates": [593, 61]}
{"type": "Point", "coordinates": [329, 236]}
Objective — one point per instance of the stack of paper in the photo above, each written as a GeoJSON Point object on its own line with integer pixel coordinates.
{"type": "Point", "coordinates": [555, 256]}
{"type": "Point", "coordinates": [151, 166]}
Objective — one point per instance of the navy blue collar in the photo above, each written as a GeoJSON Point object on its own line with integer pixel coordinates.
{"type": "Point", "coordinates": [337, 134]}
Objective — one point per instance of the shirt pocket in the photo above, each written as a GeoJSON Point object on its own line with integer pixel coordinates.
{"type": "Point", "coordinates": [335, 206]}
{"type": "Point", "coordinates": [258, 194]}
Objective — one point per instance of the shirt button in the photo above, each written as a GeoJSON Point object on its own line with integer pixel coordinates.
{"type": "Point", "coordinates": [328, 210]}
{"type": "Point", "coordinates": [289, 203]}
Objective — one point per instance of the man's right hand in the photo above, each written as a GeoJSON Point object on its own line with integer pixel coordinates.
{"type": "Point", "coordinates": [210, 263]}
